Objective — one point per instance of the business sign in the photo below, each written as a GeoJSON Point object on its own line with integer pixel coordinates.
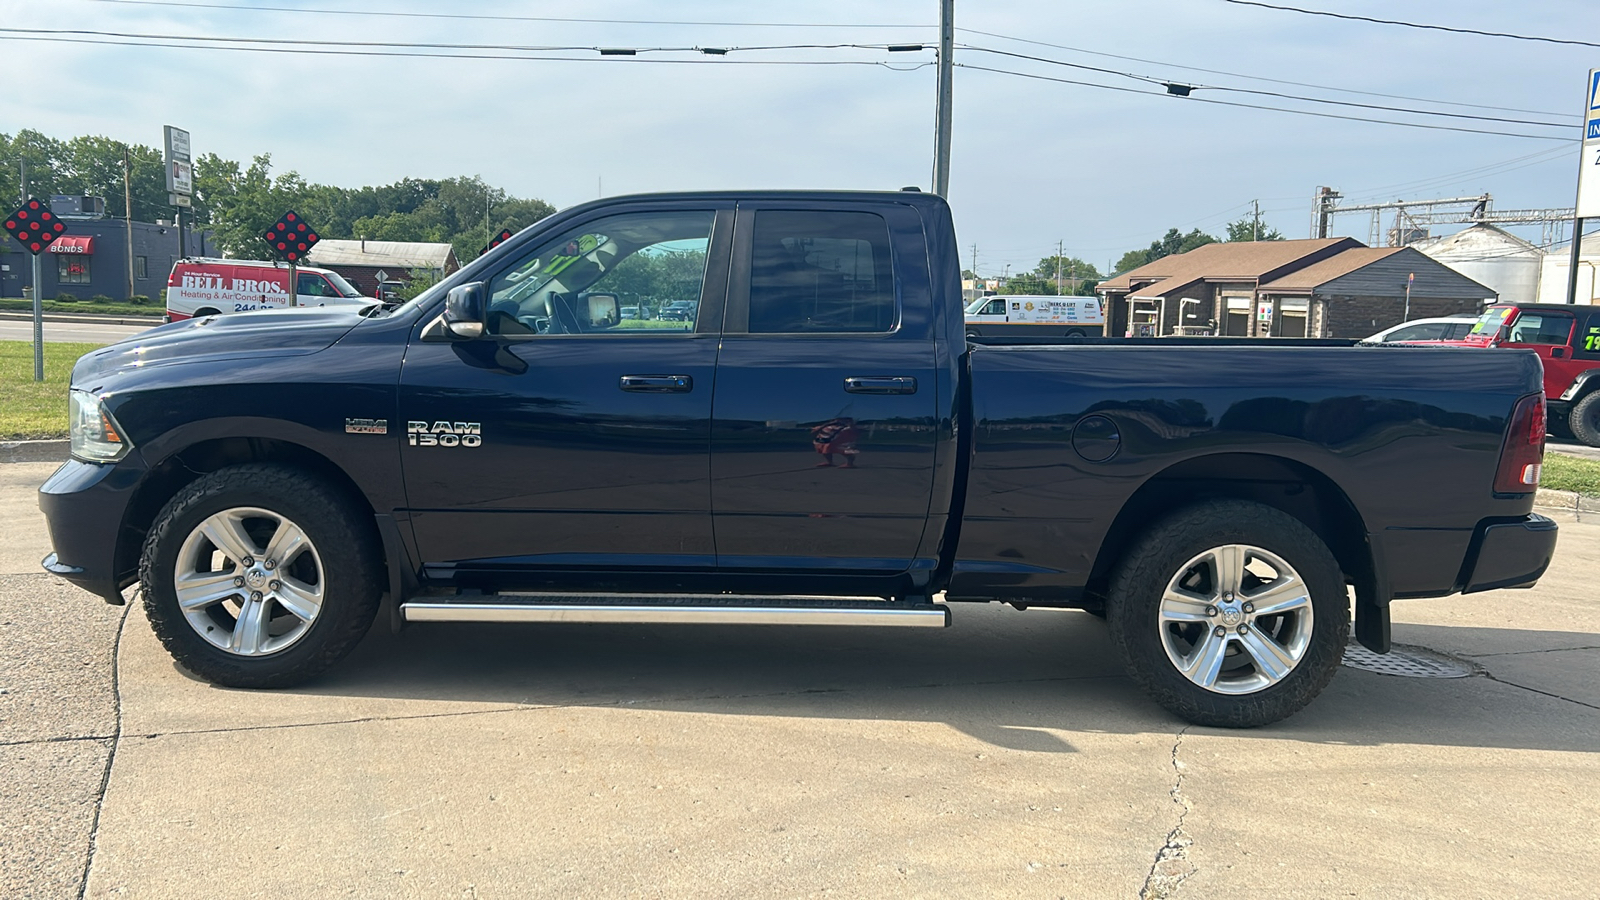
{"type": "Point", "coordinates": [1589, 167]}
{"type": "Point", "coordinates": [180, 167]}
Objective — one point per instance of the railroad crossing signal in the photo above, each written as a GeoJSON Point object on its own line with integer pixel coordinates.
{"type": "Point", "coordinates": [34, 226]}
{"type": "Point", "coordinates": [497, 240]}
{"type": "Point", "coordinates": [290, 237]}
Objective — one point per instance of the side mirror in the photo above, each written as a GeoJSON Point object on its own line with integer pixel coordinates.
{"type": "Point", "coordinates": [465, 309]}
{"type": "Point", "coordinates": [599, 310]}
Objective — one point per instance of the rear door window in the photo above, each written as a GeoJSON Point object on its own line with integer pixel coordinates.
{"type": "Point", "coordinates": [1541, 328]}
{"type": "Point", "coordinates": [1428, 331]}
{"type": "Point", "coordinates": [821, 272]}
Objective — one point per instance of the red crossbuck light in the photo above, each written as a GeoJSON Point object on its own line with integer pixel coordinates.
{"type": "Point", "coordinates": [1522, 454]}
{"type": "Point", "coordinates": [34, 227]}
{"type": "Point", "coordinates": [290, 237]}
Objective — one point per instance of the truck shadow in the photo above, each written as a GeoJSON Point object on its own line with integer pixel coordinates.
{"type": "Point", "coordinates": [1022, 681]}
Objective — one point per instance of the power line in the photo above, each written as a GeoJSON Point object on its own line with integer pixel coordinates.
{"type": "Point", "coordinates": [1324, 87]}
{"type": "Point", "coordinates": [494, 18]}
{"type": "Point", "coordinates": [1165, 82]}
{"type": "Point", "coordinates": [1299, 112]}
{"type": "Point", "coordinates": [423, 45]}
{"type": "Point", "coordinates": [1454, 30]}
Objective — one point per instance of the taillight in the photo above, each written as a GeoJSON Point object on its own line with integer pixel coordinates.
{"type": "Point", "coordinates": [1522, 454]}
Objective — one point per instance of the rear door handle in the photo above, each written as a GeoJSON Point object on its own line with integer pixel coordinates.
{"type": "Point", "coordinates": [880, 384]}
{"type": "Point", "coordinates": [657, 384]}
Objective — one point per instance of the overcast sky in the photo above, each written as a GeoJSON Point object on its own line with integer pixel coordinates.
{"type": "Point", "coordinates": [1034, 162]}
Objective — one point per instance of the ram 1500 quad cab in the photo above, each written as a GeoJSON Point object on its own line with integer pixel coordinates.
{"type": "Point", "coordinates": [817, 442]}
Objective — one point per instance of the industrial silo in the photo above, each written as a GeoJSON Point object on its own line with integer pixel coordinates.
{"type": "Point", "coordinates": [1493, 257]}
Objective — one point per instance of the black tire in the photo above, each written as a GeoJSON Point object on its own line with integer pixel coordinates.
{"type": "Point", "coordinates": [1161, 554]}
{"type": "Point", "coordinates": [1583, 419]}
{"type": "Point", "coordinates": [348, 574]}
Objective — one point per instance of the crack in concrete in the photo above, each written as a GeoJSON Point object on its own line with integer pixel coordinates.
{"type": "Point", "coordinates": [1527, 652]}
{"type": "Point", "coordinates": [111, 755]}
{"type": "Point", "coordinates": [1171, 865]}
{"type": "Point", "coordinates": [59, 740]}
{"type": "Point", "coordinates": [1533, 690]}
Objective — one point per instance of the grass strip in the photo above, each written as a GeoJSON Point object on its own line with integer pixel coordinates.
{"type": "Point", "coordinates": [12, 304]}
{"type": "Point", "coordinates": [1571, 473]}
{"type": "Point", "coordinates": [32, 409]}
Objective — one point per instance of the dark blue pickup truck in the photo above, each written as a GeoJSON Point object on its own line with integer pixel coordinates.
{"type": "Point", "coordinates": [817, 442]}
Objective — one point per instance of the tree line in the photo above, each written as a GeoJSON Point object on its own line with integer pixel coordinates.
{"type": "Point", "coordinates": [238, 202]}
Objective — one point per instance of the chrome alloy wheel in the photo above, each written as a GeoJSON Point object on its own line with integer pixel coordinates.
{"type": "Point", "coordinates": [249, 581]}
{"type": "Point", "coordinates": [1236, 619]}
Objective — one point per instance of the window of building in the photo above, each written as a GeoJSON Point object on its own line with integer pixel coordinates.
{"type": "Point", "coordinates": [140, 267]}
{"type": "Point", "coordinates": [827, 272]}
{"type": "Point", "coordinates": [72, 269]}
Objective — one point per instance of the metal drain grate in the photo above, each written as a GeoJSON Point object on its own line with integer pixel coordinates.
{"type": "Point", "coordinates": [1406, 662]}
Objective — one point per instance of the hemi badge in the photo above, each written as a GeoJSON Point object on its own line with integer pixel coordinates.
{"type": "Point", "coordinates": [366, 426]}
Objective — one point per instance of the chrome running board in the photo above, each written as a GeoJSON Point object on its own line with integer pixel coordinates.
{"type": "Point", "coordinates": [707, 609]}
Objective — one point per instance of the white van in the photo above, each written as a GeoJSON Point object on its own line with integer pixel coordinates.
{"type": "Point", "coordinates": [1023, 314]}
{"type": "Point", "coordinates": [200, 286]}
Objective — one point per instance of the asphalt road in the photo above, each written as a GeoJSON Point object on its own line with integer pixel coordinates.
{"type": "Point", "coordinates": [1006, 756]}
{"type": "Point", "coordinates": [84, 332]}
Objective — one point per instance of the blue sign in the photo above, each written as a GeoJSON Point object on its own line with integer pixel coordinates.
{"type": "Point", "coordinates": [1594, 130]}
{"type": "Point", "coordinates": [1594, 90]}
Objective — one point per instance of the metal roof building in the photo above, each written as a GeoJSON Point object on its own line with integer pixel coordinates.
{"type": "Point", "coordinates": [365, 263]}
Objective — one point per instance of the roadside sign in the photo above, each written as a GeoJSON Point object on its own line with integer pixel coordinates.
{"type": "Point", "coordinates": [34, 227]}
{"type": "Point", "coordinates": [497, 240]}
{"type": "Point", "coordinates": [180, 167]}
{"type": "Point", "coordinates": [1589, 166]}
{"type": "Point", "coordinates": [381, 276]}
{"type": "Point", "coordinates": [179, 200]}
{"type": "Point", "coordinates": [290, 237]}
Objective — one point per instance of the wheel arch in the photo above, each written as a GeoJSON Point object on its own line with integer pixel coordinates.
{"type": "Point", "coordinates": [1288, 485]}
{"type": "Point", "coordinates": [181, 467]}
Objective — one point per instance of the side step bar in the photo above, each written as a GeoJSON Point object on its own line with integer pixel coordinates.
{"type": "Point", "coordinates": [712, 609]}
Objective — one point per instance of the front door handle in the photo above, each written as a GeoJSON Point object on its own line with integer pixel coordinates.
{"type": "Point", "coordinates": [880, 384]}
{"type": "Point", "coordinates": [657, 384]}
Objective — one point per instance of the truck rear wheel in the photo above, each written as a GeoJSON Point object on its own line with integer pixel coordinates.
{"type": "Point", "coordinates": [1583, 419]}
{"type": "Point", "coordinates": [259, 576]}
{"type": "Point", "coordinates": [1230, 613]}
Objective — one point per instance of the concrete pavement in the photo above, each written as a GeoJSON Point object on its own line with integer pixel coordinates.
{"type": "Point", "coordinates": [1003, 757]}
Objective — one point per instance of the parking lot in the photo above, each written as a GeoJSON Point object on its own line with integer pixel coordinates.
{"type": "Point", "coordinates": [1005, 756]}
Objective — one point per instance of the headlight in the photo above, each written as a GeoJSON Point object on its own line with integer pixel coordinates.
{"type": "Point", "coordinates": [96, 437]}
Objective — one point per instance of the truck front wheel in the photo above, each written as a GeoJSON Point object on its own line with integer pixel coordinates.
{"type": "Point", "coordinates": [259, 576]}
{"type": "Point", "coordinates": [1230, 613]}
{"type": "Point", "coordinates": [1583, 419]}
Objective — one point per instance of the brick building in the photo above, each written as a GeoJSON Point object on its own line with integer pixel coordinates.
{"type": "Point", "coordinates": [1363, 291]}
{"type": "Point", "coordinates": [1325, 287]}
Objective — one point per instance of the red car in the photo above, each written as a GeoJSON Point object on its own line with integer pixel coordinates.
{"type": "Point", "coordinates": [1567, 339]}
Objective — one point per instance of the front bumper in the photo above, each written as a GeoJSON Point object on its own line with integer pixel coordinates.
{"type": "Point", "coordinates": [1510, 554]}
{"type": "Point", "coordinates": [85, 505]}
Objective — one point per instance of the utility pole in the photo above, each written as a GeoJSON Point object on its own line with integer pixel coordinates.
{"type": "Point", "coordinates": [1255, 221]}
{"type": "Point", "coordinates": [1058, 267]}
{"type": "Point", "coordinates": [941, 139]}
{"type": "Point", "coordinates": [975, 275]}
{"type": "Point", "coordinates": [127, 214]}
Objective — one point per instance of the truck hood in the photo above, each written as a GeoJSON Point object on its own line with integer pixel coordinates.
{"type": "Point", "coordinates": [263, 333]}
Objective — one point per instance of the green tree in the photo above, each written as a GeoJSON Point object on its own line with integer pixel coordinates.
{"type": "Point", "coordinates": [1171, 243]}
{"type": "Point", "coordinates": [1250, 228]}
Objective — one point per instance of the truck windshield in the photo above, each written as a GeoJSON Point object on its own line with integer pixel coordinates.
{"type": "Point", "coordinates": [344, 287]}
{"type": "Point", "coordinates": [1489, 323]}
